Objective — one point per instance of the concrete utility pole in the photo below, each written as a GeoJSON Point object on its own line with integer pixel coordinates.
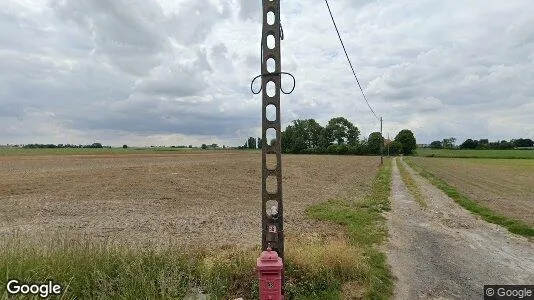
{"type": "Point", "coordinates": [381, 144]}
{"type": "Point", "coordinates": [270, 265]}
{"type": "Point", "coordinates": [272, 205]}
{"type": "Point", "coordinates": [389, 142]}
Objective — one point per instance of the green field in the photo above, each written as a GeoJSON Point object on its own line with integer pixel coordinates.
{"type": "Point", "coordinates": [475, 153]}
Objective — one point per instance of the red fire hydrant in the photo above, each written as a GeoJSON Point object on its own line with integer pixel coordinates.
{"type": "Point", "coordinates": [269, 267]}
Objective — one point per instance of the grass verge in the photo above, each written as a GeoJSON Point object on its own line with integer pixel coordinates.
{"type": "Point", "coordinates": [411, 184]}
{"type": "Point", "coordinates": [366, 229]}
{"type": "Point", "coordinates": [88, 269]}
{"type": "Point", "coordinates": [315, 269]}
{"type": "Point", "coordinates": [513, 225]}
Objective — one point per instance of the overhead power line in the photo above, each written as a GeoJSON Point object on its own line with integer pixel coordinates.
{"type": "Point", "coordinates": [348, 59]}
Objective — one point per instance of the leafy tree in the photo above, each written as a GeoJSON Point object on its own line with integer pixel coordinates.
{"type": "Point", "coordinates": [315, 133]}
{"type": "Point", "coordinates": [469, 144]}
{"type": "Point", "coordinates": [406, 138]}
{"type": "Point", "coordinates": [373, 143]}
{"type": "Point", "coordinates": [523, 143]}
{"type": "Point", "coordinates": [293, 141]}
{"type": "Point", "coordinates": [302, 135]}
{"type": "Point", "coordinates": [124, 146]}
{"type": "Point", "coordinates": [342, 131]}
{"type": "Point", "coordinates": [395, 148]}
{"type": "Point", "coordinates": [436, 145]}
{"type": "Point", "coordinates": [505, 145]}
{"type": "Point", "coordinates": [251, 143]}
{"type": "Point", "coordinates": [449, 143]}
{"type": "Point", "coordinates": [301, 138]}
{"type": "Point", "coordinates": [288, 137]}
{"type": "Point", "coordinates": [204, 146]}
{"type": "Point", "coordinates": [259, 143]}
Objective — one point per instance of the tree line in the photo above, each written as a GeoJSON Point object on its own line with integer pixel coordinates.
{"type": "Point", "coordinates": [339, 136]}
{"type": "Point", "coordinates": [93, 145]}
{"type": "Point", "coordinates": [482, 144]}
{"type": "Point", "coordinates": [251, 143]}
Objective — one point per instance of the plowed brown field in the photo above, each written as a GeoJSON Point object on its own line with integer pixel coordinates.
{"type": "Point", "coordinates": [210, 197]}
{"type": "Point", "coordinates": [506, 186]}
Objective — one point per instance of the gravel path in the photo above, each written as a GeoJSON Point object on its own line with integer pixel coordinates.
{"type": "Point", "coordinates": [445, 252]}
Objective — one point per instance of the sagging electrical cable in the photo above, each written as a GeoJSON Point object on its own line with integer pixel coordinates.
{"type": "Point", "coordinates": [348, 59]}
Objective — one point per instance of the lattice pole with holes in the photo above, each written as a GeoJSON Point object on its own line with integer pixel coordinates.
{"type": "Point", "coordinates": [272, 205]}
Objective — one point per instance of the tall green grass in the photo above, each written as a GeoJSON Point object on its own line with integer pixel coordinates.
{"type": "Point", "coordinates": [367, 229]}
{"type": "Point", "coordinates": [513, 225]}
{"type": "Point", "coordinates": [94, 270]}
{"type": "Point", "coordinates": [91, 270]}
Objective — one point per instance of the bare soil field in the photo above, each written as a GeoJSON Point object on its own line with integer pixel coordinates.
{"type": "Point", "coordinates": [202, 198]}
{"type": "Point", "coordinates": [506, 186]}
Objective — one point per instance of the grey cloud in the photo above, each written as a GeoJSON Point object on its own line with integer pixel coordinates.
{"type": "Point", "coordinates": [250, 9]}
{"type": "Point", "coordinates": [150, 69]}
{"type": "Point", "coordinates": [188, 115]}
{"type": "Point", "coordinates": [177, 78]}
{"type": "Point", "coordinates": [139, 28]}
{"type": "Point", "coordinates": [118, 27]}
{"type": "Point", "coordinates": [195, 20]}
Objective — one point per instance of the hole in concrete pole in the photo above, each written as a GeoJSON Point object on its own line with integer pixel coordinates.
{"type": "Point", "coordinates": [271, 89]}
{"type": "Point", "coordinates": [271, 208]}
{"type": "Point", "coordinates": [270, 112]}
{"type": "Point", "coordinates": [271, 43]}
{"type": "Point", "coordinates": [270, 18]}
{"type": "Point", "coordinates": [271, 185]}
{"type": "Point", "coordinates": [270, 136]}
{"type": "Point", "coordinates": [271, 161]}
{"type": "Point", "coordinates": [271, 65]}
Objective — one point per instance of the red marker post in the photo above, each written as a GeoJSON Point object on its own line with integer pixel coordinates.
{"type": "Point", "coordinates": [269, 267]}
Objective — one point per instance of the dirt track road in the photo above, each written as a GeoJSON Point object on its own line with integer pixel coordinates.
{"type": "Point", "coordinates": [445, 252]}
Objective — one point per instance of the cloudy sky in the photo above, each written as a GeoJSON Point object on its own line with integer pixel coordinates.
{"type": "Point", "coordinates": [170, 72]}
